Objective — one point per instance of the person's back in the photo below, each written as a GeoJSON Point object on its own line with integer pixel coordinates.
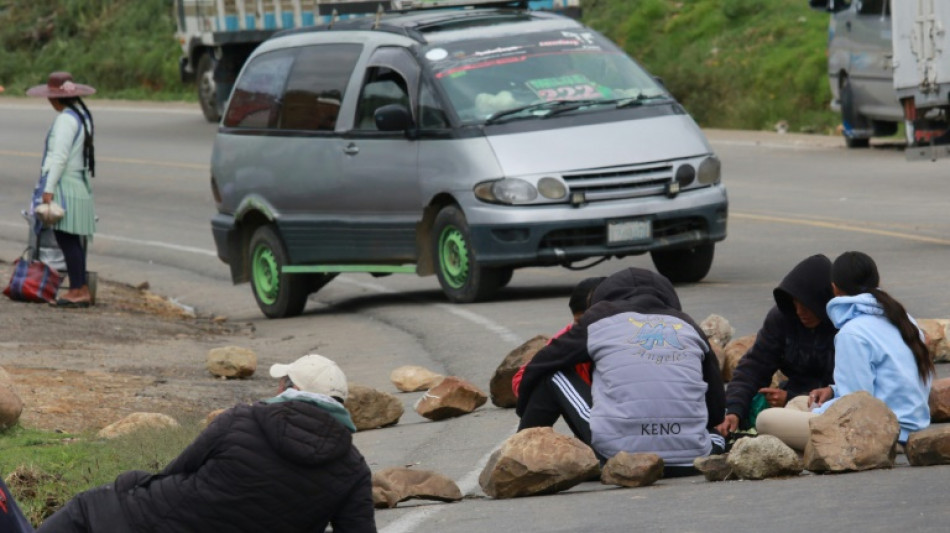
{"type": "Point", "coordinates": [286, 466]}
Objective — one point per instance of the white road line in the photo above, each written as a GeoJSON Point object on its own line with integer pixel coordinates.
{"type": "Point", "coordinates": [467, 485]}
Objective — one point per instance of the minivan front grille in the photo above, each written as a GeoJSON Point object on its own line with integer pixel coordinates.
{"type": "Point", "coordinates": [617, 184]}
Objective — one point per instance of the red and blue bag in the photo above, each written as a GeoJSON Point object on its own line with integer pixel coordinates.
{"type": "Point", "coordinates": [33, 281]}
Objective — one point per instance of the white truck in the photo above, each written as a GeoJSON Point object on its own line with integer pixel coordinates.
{"type": "Point", "coordinates": [217, 36]}
{"type": "Point", "coordinates": [889, 62]}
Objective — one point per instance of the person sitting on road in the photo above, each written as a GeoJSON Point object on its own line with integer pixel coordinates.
{"type": "Point", "coordinates": [656, 385]}
{"type": "Point", "coordinates": [879, 349]}
{"type": "Point", "coordinates": [287, 463]}
{"type": "Point", "coordinates": [797, 337]}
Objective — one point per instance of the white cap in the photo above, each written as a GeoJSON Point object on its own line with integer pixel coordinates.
{"type": "Point", "coordinates": [314, 373]}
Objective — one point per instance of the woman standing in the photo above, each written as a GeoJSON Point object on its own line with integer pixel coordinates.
{"type": "Point", "coordinates": [68, 166]}
{"type": "Point", "coordinates": [878, 349]}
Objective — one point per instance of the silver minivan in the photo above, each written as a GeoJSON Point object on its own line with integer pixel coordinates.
{"type": "Point", "coordinates": [462, 143]}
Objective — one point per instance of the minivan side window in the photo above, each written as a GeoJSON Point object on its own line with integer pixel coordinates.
{"type": "Point", "coordinates": [316, 86]}
{"type": "Point", "coordinates": [431, 114]}
{"type": "Point", "coordinates": [383, 86]}
{"type": "Point", "coordinates": [255, 102]}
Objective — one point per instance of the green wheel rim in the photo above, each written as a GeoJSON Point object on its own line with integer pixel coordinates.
{"type": "Point", "coordinates": [453, 257]}
{"type": "Point", "coordinates": [266, 274]}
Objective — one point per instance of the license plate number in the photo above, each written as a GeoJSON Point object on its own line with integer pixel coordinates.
{"type": "Point", "coordinates": [627, 231]}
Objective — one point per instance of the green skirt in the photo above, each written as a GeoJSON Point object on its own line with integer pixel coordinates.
{"type": "Point", "coordinates": [76, 198]}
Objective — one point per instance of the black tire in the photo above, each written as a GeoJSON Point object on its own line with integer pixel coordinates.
{"type": "Point", "coordinates": [462, 279]}
{"type": "Point", "coordinates": [851, 119]}
{"type": "Point", "coordinates": [207, 88]}
{"type": "Point", "coordinates": [278, 295]}
{"type": "Point", "coordinates": [687, 265]}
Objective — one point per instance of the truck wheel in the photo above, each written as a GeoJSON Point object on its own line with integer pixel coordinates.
{"type": "Point", "coordinates": [462, 279]}
{"type": "Point", "coordinates": [851, 119]}
{"type": "Point", "coordinates": [278, 295]}
{"type": "Point", "coordinates": [207, 92]}
{"type": "Point", "coordinates": [687, 265]}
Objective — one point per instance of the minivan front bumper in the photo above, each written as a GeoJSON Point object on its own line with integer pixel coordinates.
{"type": "Point", "coordinates": [557, 239]}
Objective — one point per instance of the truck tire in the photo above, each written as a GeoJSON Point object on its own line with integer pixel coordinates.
{"type": "Point", "coordinates": [687, 265]}
{"type": "Point", "coordinates": [278, 295]}
{"type": "Point", "coordinates": [851, 119]}
{"type": "Point", "coordinates": [207, 90]}
{"type": "Point", "coordinates": [462, 279]}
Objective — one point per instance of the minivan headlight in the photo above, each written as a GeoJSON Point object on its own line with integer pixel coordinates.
{"type": "Point", "coordinates": [710, 170]}
{"type": "Point", "coordinates": [506, 191]}
{"type": "Point", "coordinates": [552, 188]}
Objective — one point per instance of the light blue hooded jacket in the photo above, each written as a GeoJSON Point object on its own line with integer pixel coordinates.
{"type": "Point", "coordinates": [870, 355]}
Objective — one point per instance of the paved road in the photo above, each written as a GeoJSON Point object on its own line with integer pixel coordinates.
{"type": "Point", "coordinates": [790, 196]}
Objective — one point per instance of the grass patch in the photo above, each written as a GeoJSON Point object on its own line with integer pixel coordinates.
{"type": "Point", "coordinates": [45, 469]}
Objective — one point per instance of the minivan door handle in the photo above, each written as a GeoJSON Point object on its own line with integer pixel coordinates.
{"type": "Point", "coordinates": [351, 149]}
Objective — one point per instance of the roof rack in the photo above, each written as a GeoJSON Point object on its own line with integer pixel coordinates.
{"type": "Point", "coordinates": [407, 5]}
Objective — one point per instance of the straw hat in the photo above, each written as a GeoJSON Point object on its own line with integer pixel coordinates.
{"type": "Point", "coordinates": [60, 85]}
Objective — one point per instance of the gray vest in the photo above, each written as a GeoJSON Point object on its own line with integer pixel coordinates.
{"type": "Point", "coordinates": [648, 390]}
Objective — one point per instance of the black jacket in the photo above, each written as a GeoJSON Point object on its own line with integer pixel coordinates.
{"type": "Point", "coordinates": [632, 289]}
{"type": "Point", "coordinates": [805, 356]}
{"type": "Point", "coordinates": [285, 467]}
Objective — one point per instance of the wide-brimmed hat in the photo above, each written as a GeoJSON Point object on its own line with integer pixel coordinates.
{"type": "Point", "coordinates": [60, 85]}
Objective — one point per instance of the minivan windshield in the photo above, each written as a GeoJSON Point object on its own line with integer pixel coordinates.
{"type": "Point", "coordinates": [537, 75]}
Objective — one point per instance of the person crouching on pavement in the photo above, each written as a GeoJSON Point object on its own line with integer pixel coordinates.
{"type": "Point", "coordinates": [287, 463]}
{"type": "Point", "coordinates": [656, 385]}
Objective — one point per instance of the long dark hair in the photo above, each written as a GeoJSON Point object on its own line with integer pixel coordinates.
{"type": "Point", "coordinates": [855, 273]}
{"type": "Point", "coordinates": [88, 147]}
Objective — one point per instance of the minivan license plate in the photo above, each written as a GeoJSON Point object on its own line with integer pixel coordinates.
{"type": "Point", "coordinates": [627, 231]}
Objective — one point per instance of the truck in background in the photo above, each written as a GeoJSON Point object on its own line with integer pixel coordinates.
{"type": "Point", "coordinates": [217, 36]}
{"type": "Point", "coordinates": [887, 64]}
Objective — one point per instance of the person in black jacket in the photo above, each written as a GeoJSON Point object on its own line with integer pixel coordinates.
{"type": "Point", "coordinates": [11, 517]}
{"type": "Point", "coordinates": [656, 385]}
{"type": "Point", "coordinates": [797, 338]}
{"type": "Point", "coordinates": [285, 464]}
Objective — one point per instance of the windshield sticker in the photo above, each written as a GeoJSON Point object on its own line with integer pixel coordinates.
{"type": "Point", "coordinates": [560, 42]}
{"type": "Point", "coordinates": [497, 51]}
{"type": "Point", "coordinates": [493, 62]}
{"type": "Point", "coordinates": [573, 87]}
{"type": "Point", "coordinates": [437, 54]}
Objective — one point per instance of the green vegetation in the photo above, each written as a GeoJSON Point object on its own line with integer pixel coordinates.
{"type": "Point", "coordinates": [732, 63]}
{"type": "Point", "coordinates": [125, 48]}
{"type": "Point", "coordinates": [45, 469]}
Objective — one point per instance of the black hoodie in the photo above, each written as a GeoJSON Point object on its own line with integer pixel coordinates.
{"type": "Point", "coordinates": [805, 356]}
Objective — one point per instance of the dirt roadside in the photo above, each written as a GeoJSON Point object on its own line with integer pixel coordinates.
{"type": "Point", "coordinates": [82, 369]}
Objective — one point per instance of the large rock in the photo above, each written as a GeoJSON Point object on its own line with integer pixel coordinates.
{"type": "Point", "coordinates": [394, 485]}
{"type": "Point", "coordinates": [414, 378]}
{"type": "Point", "coordinates": [930, 446]}
{"type": "Point", "coordinates": [763, 457]}
{"type": "Point", "coordinates": [232, 362]}
{"type": "Point", "coordinates": [937, 331]}
{"type": "Point", "coordinates": [857, 432]}
{"type": "Point", "coordinates": [370, 408]}
{"type": "Point", "coordinates": [714, 467]}
{"type": "Point", "coordinates": [11, 405]}
{"type": "Point", "coordinates": [500, 385]}
{"type": "Point", "coordinates": [453, 396]}
{"type": "Point", "coordinates": [733, 353]}
{"type": "Point", "coordinates": [632, 469]}
{"type": "Point", "coordinates": [136, 422]}
{"type": "Point", "coordinates": [717, 329]}
{"type": "Point", "coordinates": [537, 461]}
{"type": "Point", "coordinates": [940, 400]}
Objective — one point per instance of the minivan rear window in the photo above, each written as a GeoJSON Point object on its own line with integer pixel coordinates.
{"type": "Point", "coordinates": [293, 89]}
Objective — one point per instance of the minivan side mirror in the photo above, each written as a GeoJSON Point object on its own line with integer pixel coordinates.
{"type": "Point", "coordinates": [392, 117]}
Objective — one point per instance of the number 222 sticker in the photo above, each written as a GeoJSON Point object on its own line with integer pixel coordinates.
{"type": "Point", "coordinates": [569, 92]}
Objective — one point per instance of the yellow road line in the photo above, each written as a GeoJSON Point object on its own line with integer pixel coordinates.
{"type": "Point", "coordinates": [840, 226]}
{"type": "Point", "coordinates": [37, 155]}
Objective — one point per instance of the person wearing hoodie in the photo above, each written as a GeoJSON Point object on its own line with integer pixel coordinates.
{"type": "Point", "coordinates": [879, 349]}
{"type": "Point", "coordinates": [287, 463]}
{"type": "Point", "coordinates": [797, 338]}
{"type": "Point", "coordinates": [656, 385]}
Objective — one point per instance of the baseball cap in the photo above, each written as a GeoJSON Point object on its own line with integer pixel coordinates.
{"type": "Point", "coordinates": [314, 373]}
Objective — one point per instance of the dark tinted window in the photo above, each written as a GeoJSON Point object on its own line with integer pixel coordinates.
{"type": "Point", "coordinates": [431, 114]}
{"type": "Point", "coordinates": [872, 7]}
{"type": "Point", "coordinates": [316, 85]}
{"type": "Point", "coordinates": [255, 102]}
{"type": "Point", "coordinates": [383, 86]}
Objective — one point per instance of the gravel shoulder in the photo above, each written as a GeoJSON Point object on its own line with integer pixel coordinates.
{"type": "Point", "coordinates": [82, 369]}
